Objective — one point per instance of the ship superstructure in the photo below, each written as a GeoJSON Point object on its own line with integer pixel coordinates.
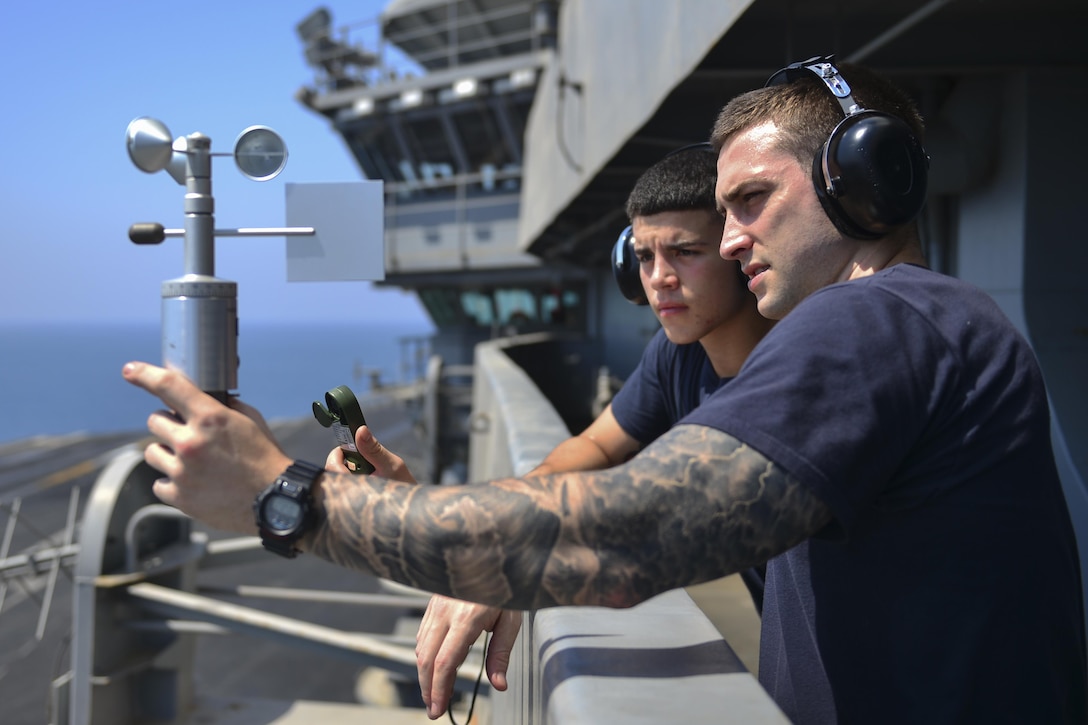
{"type": "Point", "coordinates": [445, 130]}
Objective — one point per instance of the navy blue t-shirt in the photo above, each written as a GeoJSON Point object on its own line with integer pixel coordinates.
{"type": "Point", "coordinates": [947, 588]}
{"type": "Point", "coordinates": [669, 382]}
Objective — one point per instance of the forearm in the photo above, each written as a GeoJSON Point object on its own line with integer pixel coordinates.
{"type": "Point", "coordinates": [574, 454]}
{"type": "Point", "coordinates": [603, 444]}
{"type": "Point", "coordinates": [694, 506]}
{"type": "Point", "coordinates": [481, 543]}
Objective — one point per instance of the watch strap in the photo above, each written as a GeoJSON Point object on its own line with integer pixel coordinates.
{"type": "Point", "coordinates": [303, 472]}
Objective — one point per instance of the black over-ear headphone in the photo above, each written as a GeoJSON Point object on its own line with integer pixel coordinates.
{"type": "Point", "coordinates": [625, 266]}
{"type": "Point", "coordinates": [870, 175]}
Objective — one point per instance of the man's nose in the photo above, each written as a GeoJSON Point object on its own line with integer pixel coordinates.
{"type": "Point", "coordinates": [662, 274]}
{"type": "Point", "coordinates": [735, 242]}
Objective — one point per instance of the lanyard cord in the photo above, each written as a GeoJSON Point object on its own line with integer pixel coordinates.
{"type": "Point", "coordinates": [475, 689]}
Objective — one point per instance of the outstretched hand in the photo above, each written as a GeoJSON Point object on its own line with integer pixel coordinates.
{"type": "Point", "coordinates": [386, 463]}
{"type": "Point", "coordinates": [214, 459]}
{"type": "Point", "coordinates": [448, 630]}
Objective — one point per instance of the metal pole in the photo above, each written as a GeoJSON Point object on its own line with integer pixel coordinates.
{"type": "Point", "coordinates": [199, 311]}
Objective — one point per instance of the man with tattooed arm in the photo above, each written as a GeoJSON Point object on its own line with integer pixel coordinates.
{"type": "Point", "coordinates": [885, 448]}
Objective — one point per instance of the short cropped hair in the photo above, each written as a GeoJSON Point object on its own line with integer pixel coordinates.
{"type": "Point", "coordinates": [682, 181]}
{"type": "Point", "coordinates": [806, 112]}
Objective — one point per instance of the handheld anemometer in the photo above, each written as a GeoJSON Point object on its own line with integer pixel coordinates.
{"type": "Point", "coordinates": [342, 413]}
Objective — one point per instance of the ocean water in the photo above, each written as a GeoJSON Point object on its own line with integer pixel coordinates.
{"type": "Point", "coordinates": [61, 378]}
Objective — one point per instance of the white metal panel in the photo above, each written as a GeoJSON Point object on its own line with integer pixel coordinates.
{"type": "Point", "coordinates": [627, 55]}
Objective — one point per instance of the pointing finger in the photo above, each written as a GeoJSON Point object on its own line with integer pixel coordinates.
{"type": "Point", "coordinates": [169, 386]}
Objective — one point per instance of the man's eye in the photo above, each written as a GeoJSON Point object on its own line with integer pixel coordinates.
{"type": "Point", "coordinates": [643, 257]}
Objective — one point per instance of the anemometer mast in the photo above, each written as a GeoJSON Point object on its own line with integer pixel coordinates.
{"type": "Point", "coordinates": [199, 310]}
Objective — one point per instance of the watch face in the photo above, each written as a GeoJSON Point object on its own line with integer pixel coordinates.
{"type": "Point", "coordinates": [281, 513]}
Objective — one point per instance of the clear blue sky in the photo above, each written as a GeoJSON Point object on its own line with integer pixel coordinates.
{"type": "Point", "coordinates": [77, 73]}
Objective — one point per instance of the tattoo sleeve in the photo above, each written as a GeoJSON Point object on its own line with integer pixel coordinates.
{"type": "Point", "coordinates": [695, 505]}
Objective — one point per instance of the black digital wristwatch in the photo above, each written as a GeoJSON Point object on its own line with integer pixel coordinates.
{"type": "Point", "coordinates": [283, 510]}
